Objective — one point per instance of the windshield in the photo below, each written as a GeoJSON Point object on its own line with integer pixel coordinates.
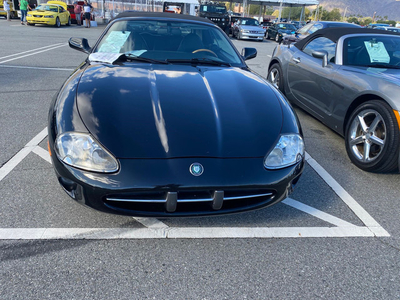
{"type": "Point", "coordinates": [286, 27]}
{"type": "Point", "coordinates": [47, 8]}
{"type": "Point", "coordinates": [168, 40]}
{"type": "Point", "coordinates": [213, 9]}
{"type": "Point", "coordinates": [249, 22]}
{"type": "Point", "coordinates": [380, 51]}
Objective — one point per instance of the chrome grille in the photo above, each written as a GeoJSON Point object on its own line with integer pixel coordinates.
{"type": "Point", "coordinates": [170, 200]}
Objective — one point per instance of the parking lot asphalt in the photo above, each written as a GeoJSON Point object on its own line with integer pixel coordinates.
{"type": "Point", "coordinates": [336, 237]}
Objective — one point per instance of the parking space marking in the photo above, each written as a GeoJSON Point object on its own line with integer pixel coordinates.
{"type": "Point", "coordinates": [32, 50]}
{"type": "Point", "coordinates": [316, 213]}
{"type": "Point", "coordinates": [360, 212]}
{"type": "Point", "coordinates": [157, 229]}
{"type": "Point", "coordinates": [17, 158]}
{"type": "Point", "coordinates": [42, 153]}
{"type": "Point", "coordinates": [151, 222]}
{"type": "Point", "coordinates": [30, 54]}
{"type": "Point", "coordinates": [181, 233]}
{"type": "Point", "coordinates": [36, 68]}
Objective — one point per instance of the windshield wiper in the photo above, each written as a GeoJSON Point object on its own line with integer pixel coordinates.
{"type": "Point", "coordinates": [143, 59]}
{"type": "Point", "coordinates": [199, 61]}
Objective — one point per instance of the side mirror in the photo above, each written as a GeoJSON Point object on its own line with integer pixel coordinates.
{"type": "Point", "coordinates": [249, 53]}
{"type": "Point", "coordinates": [323, 55]}
{"type": "Point", "coordinates": [80, 44]}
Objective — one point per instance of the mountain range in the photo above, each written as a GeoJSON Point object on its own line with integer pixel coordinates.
{"type": "Point", "coordinates": [365, 8]}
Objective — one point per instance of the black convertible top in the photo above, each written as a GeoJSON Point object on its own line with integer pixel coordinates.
{"type": "Point", "coordinates": [160, 15]}
{"type": "Point", "coordinates": [335, 33]}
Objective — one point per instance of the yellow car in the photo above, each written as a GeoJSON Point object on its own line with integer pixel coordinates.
{"type": "Point", "coordinates": [53, 13]}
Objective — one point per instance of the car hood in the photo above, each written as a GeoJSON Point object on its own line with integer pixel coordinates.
{"type": "Point", "coordinates": [42, 13]}
{"type": "Point", "coordinates": [169, 111]}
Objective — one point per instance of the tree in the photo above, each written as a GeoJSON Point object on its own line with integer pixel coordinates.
{"type": "Point", "coordinates": [366, 21]}
{"type": "Point", "coordinates": [353, 20]}
{"type": "Point", "coordinates": [334, 15]}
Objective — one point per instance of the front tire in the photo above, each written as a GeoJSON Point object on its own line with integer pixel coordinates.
{"type": "Point", "coordinates": [267, 36]}
{"type": "Point", "coordinates": [275, 76]}
{"type": "Point", "coordinates": [372, 137]}
{"type": "Point", "coordinates": [58, 23]}
{"type": "Point", "coordinates": [277, 38]}
{"type": "Point", "coordinates": [69, 22]}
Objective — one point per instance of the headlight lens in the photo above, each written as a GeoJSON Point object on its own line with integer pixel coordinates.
{"type": "Point", "coordinates": [80, 150]}
{"type": "Point", "coordinates": [288, 151]}
{"type": "Point", "coordinates": [284, 33]}
{"type": "Point", "coordinates": [49, 16]}
{"type": "Point", "coordinates": [29, 15]}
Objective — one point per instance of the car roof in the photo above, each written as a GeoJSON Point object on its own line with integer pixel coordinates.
{"type": "Point", "coordinates": [160, 15]}
{"type": "Point", "coordinates": [335, 33]}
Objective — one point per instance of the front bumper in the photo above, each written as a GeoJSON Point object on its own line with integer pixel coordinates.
{"type": "Point", "coordinates": [42, 20]}
{"type": "Point", "coordinates": [252, 36]}
{"type": "Point", "coordinates": [165, 187]}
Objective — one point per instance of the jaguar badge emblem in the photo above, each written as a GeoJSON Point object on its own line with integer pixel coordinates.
{"type": "Point", "coordinates": [196, 169]}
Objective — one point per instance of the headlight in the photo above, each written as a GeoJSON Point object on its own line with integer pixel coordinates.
{"type": "Point", "coordinates": [223, 20]}
{"type": "Point", "coordinates": [284, 33]}
{"type": "Point", "coordinates": [29, 15]}
{"type": "Point", "coordinates": [288, 151]}
{"type": "Point", "coordinates": [244, 31]}
{"type": "Point", "coordinates": [80, 150]}
{"type": "Point", "coordinates": [261, 32]}
{"type": "Point", "coordinates": [49, 16]}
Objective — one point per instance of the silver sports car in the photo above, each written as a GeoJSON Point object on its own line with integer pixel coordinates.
{"type": "Point", "coordinates": [349, 79]}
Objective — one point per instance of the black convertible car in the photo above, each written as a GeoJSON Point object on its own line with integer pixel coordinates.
{"type": "Point", "coordinates": [151, 125]}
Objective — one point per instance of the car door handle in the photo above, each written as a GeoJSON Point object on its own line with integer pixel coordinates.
{"type": "Point", "coordinates": [296, 60]}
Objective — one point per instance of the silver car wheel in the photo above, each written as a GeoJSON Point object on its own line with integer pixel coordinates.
{"type": "Point", "coordinates": [274, 76]}
{"type": "Point", "coordinates": [367, 135]}
{"type": "Point", "coordinates": [277, 38]}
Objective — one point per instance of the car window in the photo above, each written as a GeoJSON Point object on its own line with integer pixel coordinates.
{"type": "Point", "coordinates": [321, 43]}
{"type": "Point", "coordinates": [52, 8]}
{"type": "Point", "coordinates": [250, 22]}
{"type": "Point", "coordinates": [372, 51]}
{"type": "Point", "coordinates": [314, 28]}
{"type": "Point", "coordinates": [162, 40]}
{"type": "Point", "coordinates": [305, 28]}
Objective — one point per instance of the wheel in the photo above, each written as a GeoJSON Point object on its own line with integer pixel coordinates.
{"type": "Point", "coordinates": [372, 137]}
{"type": "Point", "coordinates": [277, 38]}
{"type": "Point", "coordinates": [58, 23]}
{"type": "Point", "coordinates": [266, 35]}
{"type": "Point", "coordinates": [69, 22]}
{"type": "Point", "coordinates": [275, 76]}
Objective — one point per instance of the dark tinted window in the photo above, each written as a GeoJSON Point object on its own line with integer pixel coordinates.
{"type": "Point", "coordinates": [372, 51]}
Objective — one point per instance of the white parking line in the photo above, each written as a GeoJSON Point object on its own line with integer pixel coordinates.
{"type": "Point", "coordinates": [361, 213]}
{"type": "Point", "coordinates": [181, 233]}
{"type": "Point", "coordinates": [36, 68]}
{"type": "Point", "coordinates": [17, 158]}
{"type": "Point", "coordinates": [32, 50]}
{"type": "Point", "coordinates": [157, 229]}
{"type": "Point", "coordinates": [30, 54]}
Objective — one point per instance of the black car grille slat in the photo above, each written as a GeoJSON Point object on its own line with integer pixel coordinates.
{"type": "Point", "coordinates": [188, 201]}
